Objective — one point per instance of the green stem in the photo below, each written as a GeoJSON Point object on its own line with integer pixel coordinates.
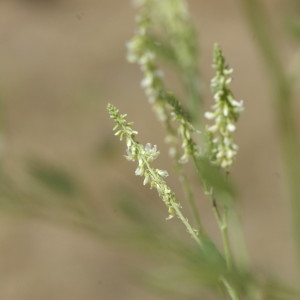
{"type": "Point", "coordinates": [230, 290]}
{"type": "Point", "coordinates": [200, 240]}
{"type": "Point", "coordinates": [223, 226]}
{"type": "Point", "coordinates": [222, 222]}
{"type": "Point", "coordinates": [288, 134]}
{"type": "Point", "coordinates": [186, 223]}
{"type": "Point", "coordinates": [189, 196]}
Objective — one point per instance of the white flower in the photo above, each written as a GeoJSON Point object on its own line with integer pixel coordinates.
{"type": "Point", "coordinates": [139, 171]}
{"type": "Point", "coordinates": [231, 127]}
{"type": "Point", "coordinates": [209, 115]}
{"type": "Point", "coordinates": [162, 173]}
{"type": "Point", "coordinates": [225, 113]}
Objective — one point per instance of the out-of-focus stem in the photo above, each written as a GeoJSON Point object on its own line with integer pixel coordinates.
{"type": "Point", "coordinates": [281, 85]}
{"type": "Point", "coordinates": [189, 196]}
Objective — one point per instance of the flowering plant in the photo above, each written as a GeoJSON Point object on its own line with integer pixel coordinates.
{"type": "Point", "coordinates": [164, 30]}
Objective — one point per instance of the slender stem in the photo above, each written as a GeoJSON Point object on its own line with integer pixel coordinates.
{"type": "Point", "coordinates": [231, 291]}
{"type": "Point", "coordinates": [289, 138]}
{"type": "Point", "coordinates": [222, 222]}
{"type": "Point", "coordinates": [198, 238]}
{"type": "Point", "coordinates": [225, 238]}
{"type": "Point", "coordinates": [223, 226]}
{"type": "Point", "coordinates": [189, 196]}
{"type": "Point", "coordinates": [229, 288]}
{"type": "Point", "coordinates": [186, 223]}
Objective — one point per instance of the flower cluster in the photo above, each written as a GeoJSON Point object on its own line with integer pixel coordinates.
{"type": "Point", "coordinates": [144, 156]}
{"type": "Point", "coordinates": [140, 52]}
{"type": "Point", "coordinates": [225, 113]}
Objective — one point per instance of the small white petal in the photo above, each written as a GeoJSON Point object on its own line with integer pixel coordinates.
{"type": "Point", "coordinates": [162, 173]}
{"type": "Point", "coordinates": [212, 128]}
{"type": "Point", "coordinates": [230, 154]}
{"type": "Point", "coordinates": [217, 96]}
{"type": "Point", "coordinates": [237, 103]}
{"type": "Point", "coordinates": [220, 153]}
{"type": "Point", "coordinates": [225, 110]}
{"type": "Point", "coordinates": [231, 127]}
{"type": "Point", "coordinates": [228, 80]}
{"type": "Point", "coordinates": [226, 141]}
{"type": "Point", "coordinates": [139, 171]}
{"type": "Point", "coordinates": [225, 164]}
{"type": "Point", "coordinates": [209, 115]}
{"type": "Point", "coordinates": [146, 180]}
{"type": "Point", "coordinates": [128, 143]}
{"type": "Point", "coordinates": [147, 81]}
{"type": "Point", "coordinates": [228, 71]}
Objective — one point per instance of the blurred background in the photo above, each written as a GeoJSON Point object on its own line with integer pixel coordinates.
{"type": "Point", "coordinates": [61, 62]}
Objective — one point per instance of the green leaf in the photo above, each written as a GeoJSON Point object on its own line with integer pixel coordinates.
{"type": "Point", "coordinates": [54, 178]}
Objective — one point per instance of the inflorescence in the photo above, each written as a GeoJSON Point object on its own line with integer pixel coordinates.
{"type": "Point", "coordinates": [225, 113]}
{"type": "Point", "coordinates": [165, 103]}
{"type": "Point", "coordinates": [144, 156]}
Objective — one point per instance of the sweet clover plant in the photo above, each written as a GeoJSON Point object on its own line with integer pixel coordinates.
{"type": "Point", "coordinates": [165, 32]}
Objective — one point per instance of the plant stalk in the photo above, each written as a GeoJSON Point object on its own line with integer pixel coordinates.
{"type": "Point", "coordinates": [288, 135]}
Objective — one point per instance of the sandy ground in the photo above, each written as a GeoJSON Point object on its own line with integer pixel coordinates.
{"type": "Point", "coordinates": [60, 63]}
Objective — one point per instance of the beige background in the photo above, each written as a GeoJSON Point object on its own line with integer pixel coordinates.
{"type": "Point", "coordinates": [60, 63]}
